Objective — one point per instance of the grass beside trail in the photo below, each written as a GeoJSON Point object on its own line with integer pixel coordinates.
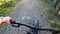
{"type": "Point", "coordinates": [50, 11]}
{"type": "Point", "coordinates": [7, 6]}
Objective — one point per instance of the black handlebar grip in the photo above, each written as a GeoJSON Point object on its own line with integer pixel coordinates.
{"type": "Point", "coordinates": [14, 24]}
{"type": "Point", "coordinates": [12, 21]}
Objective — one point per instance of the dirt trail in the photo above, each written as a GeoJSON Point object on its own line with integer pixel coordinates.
{"type": "Point", "coordinates": [29, 8]}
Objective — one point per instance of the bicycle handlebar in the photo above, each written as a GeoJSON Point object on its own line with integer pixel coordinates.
{"type": "Point", "coordinates": [33, 27]}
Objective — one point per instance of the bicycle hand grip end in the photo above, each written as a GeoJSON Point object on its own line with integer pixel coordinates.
{"type": "Point", "coordinates": [14, 24]}
{"type": "Point", "coordinates": [12, 21]}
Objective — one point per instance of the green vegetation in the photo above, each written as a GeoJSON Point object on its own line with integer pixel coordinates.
{"type": "Point", "coordinates": [50, 11]}
{"type": "Point", "coordinates": [6, 5]}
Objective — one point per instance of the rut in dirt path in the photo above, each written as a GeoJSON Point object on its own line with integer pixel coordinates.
{"type": "Point", "coordinates": [29, 8]}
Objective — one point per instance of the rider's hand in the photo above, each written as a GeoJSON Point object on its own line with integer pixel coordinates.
{"type": "Point", "coordinates": [6, 20]}
{"type": "Point", "coordinates": [1, 21]}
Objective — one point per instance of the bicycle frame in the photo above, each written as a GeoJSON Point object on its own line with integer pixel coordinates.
{"type": "Point", "coordinates": [18, 23]}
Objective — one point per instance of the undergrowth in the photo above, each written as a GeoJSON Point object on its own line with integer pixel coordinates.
{"type": "Point", "coordinates": [50, 11]}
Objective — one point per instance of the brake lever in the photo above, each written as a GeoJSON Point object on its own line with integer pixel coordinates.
{"type": "Point", "coordinates": [14, 24]}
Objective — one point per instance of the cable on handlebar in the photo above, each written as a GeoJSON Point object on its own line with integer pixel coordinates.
{"type": "Point", "coordinates": [33, 27]}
